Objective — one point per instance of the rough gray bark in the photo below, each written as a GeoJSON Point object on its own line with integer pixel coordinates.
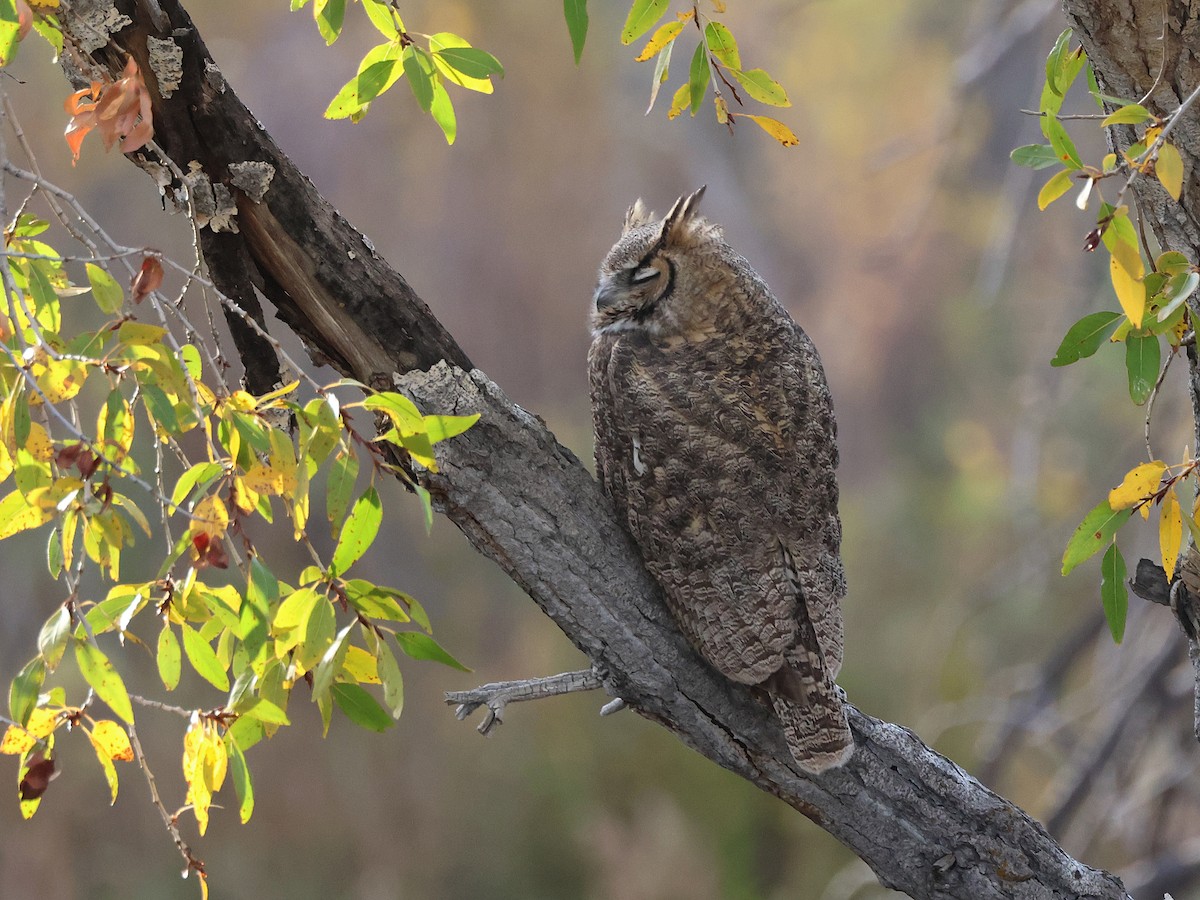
{"type": "Point", "coordinates": [923, 825]}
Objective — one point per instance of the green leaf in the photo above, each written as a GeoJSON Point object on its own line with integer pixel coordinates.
{"type": "Point", "coordinates": [471, 61]}
{"type": "Point", "coordinates": [643, 14]}
{"type": "Point", "coordinates": [698, 77]}
{"type": "Point", "coordinates": [377, 602]}
{"type": "Point", "coordinates": [1054, 61]}
{"type": "Point", "coordinates": [24, 690]}
{"type": "Point", "coordinates": [380, 68]}
{"type": "Point", "coordinates": [1132, 114]}
{"type": "Point", "coordinates": [441, 428]}
{"type": "Point", "coordinates": [577, 24]}
{"type": "Point", "coordinates": [204, 659]}
{"type": "Point", "coordinates": [331, 663]}
{"type": "Point", "coordinates": [421, 646]}
{"type": "Point", "coordinates": [1142, 357]}
{"type": "Point", "coordinates": [762, 87]}
{"type": "Point", "coordinates": [98, 672]}
{"type": "Point", "coordinates": [1063, 145]}
{"type": "Point", "coordinates": [358, 532]}
{"type": "Point", "coordinates": [1085, 337]}
{"type": "Point", "coordinates": [1068, 65]}
{"type": "Point", "coordinates": [442, 111]}
{"type": "Point", "coordinates": [722, 44]}
{"type": "Point", "coordinates": [361, 708]}
{"type": "Point", "coordinates": [54, 554]}
{"type": "Point", "coordinates": [318, 635]}
{"type": "Point", "coordinates": [200, 474]}
{"type": "Point", "coordinates": [262, 593]}
{"type": "Point", "coordinates": [340, 484]}
{"type": "Point", "coordinates": [241, 778]}
{"type": "Point", "coordinates": [1179, 288]}
{"type": "Point", "coordinates": [386, 22]}
{"type": "Point", "coordinates": [52, 639]}
{"type": "Point", "coordinates": [393, 682]}
{"type": "Point", "coordinates": [1113, 591]}
{"type": "Point", "coordinates": [1096, 530]}
{"type": "Point", "coordinates": [9, 29]}
{"type": "Point", "coordinates": [417, 67]}
{"type": "Point", "coordinates": [105, 290]}
{"type": "Point", "coordinates": [329, 15]}
{"type": "Point", "coordinates": [1035, 156]}
{"type": "Point", "coordinates": [169, 658]}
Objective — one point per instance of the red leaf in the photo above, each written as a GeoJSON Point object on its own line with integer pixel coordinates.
{"type": "Point", "coordinates": [147, 280]}
{"type": "Point", "coordinates": [37, 779]}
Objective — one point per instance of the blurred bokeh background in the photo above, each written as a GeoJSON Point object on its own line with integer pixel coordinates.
{"type": "Point", "coordinates": [904, 241]}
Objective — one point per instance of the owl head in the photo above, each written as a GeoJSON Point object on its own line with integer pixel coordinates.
{"type": "Point", "coordinates": [651, 279]}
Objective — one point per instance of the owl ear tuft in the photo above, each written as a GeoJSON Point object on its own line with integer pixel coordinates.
{"type": "Point", "coordinates": [677, 222]}
{"type": "Point", "coordinates": [637, 215]}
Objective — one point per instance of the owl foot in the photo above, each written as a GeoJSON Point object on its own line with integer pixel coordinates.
{"type": "Point", "coordinates": [498, 695]}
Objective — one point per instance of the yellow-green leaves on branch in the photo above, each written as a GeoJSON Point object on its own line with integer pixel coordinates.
{"type": "Point", "coordinates": [446, 58]}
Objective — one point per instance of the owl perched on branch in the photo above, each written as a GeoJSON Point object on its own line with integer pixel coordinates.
{"type": "Point", "coordinates": [715, 439]}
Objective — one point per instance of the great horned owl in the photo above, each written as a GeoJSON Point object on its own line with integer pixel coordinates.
{"type": "Point", "coordinates": [716, 441]}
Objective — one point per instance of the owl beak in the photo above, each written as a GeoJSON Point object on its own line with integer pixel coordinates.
{"type": "Point", "coordinates": [607, 294]}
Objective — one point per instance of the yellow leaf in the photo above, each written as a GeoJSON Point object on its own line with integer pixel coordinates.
{"type": "Point", "coordinates": [18, 740]}
{"type": "Point", "coordinates": [722, 109]}
{"type": "Point", "coordinates": [1169, 169]}
{"type": "Point", "coordinates": [210, 517]}
{"type": "Point", "coordinates": [110, 737]}
{"type": "Point", "coordinates": [680, 102]}
{"type": "Point", "coordinates": [1139, 484]}
{"type": "Point", "coordinates": [1059, 184]}
{"type": "Point", "coordinates": [204, 767]}
{"type": "Point", "coordinates": [1170, 532]}
{"type": "Point", "coordinates": [1130, 291]}
{"type": "Point", "coordinates": [360, 665]}
{"type": "Point", "coordinates": [110, 771]}
{"type": "Point", "coordinates": [39, 444]}
{"type": "Point", "coordinates": [775, 129]}
{"type": "Point", "coordinates": [661, 37]}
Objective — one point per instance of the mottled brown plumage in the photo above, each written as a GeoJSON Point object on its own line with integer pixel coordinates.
{"type": "Point", "coordinates": [715, 439]}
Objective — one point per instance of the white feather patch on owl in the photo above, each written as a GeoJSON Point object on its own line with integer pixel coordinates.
{"type": "Point", "coordinates": [638, 466]}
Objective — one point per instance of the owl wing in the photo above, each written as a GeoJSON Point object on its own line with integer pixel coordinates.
{"type": "Point", "coordinates": [726, 483]}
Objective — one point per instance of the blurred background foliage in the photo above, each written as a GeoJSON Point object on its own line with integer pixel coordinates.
{"type": "Point", "coordinates": [900, 236]}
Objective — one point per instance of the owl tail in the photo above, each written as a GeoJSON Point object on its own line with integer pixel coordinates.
{"type": "Point", "coordinates": [816, 732]}
{"type": "Point", "coordinates": [810, 708]}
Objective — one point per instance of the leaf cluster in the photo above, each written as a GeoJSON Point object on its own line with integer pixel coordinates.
{"type": "Point", "coordinates": [1152, 293]}
{"type": "Point", "coordinates": [81, 409]}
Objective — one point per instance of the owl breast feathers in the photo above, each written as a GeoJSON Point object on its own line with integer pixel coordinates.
{"type": "Point", "coordinates": [716, 442]}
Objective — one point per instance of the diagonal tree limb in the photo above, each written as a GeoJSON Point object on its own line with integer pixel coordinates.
{"type": "Point", "coordinates": [923, 824]}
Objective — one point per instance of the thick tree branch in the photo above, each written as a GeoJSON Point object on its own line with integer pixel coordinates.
{"type": "Point", "coordinates": [923, 824]}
